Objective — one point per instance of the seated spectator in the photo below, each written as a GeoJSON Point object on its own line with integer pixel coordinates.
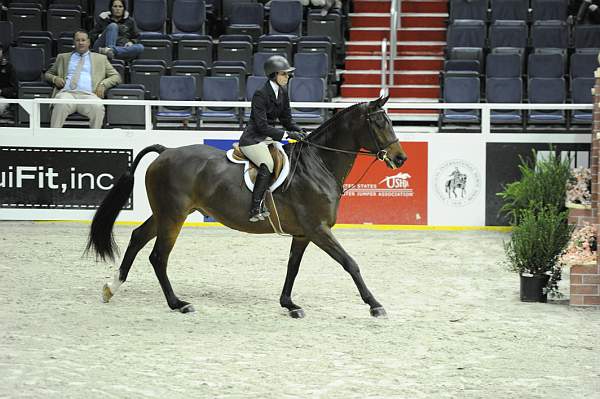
{"type": "Point", "coordinates": [585, 11]}
{"type": "Point", "coordinates": [116, 33]}
{"type": "Point", "coordinates": [81, 75]}
{"type": "Point", "coordinates": [8, 83]}
{"type": "Point", "coordinates": [324, 5]}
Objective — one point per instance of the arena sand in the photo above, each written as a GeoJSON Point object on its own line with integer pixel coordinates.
{"type": "Point", "coordinates": [456, 328]}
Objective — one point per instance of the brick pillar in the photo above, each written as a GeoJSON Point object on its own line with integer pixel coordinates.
{"type": "Point", "coordinates": [585, 279]}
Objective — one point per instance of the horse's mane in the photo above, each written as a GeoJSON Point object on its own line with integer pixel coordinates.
{"type": "Point", "coordinates": [332, 121]}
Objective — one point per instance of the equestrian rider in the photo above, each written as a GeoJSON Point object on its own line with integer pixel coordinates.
{"type": "Point", "coordinates": [269, 103]}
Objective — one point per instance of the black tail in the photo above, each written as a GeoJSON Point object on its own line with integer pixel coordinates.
{"type": "Point", "coordinates": [101, 239]}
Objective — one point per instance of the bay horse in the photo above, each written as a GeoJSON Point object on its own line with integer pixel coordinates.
{"type": "Point", "coordinates": [200, 178]}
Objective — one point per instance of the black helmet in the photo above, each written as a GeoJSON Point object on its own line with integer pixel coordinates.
{"type": "Point", "coordinates": [276, 64]}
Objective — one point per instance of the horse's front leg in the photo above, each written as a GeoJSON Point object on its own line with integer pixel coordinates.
{"type": "Point", "coordinates": [325, 240]}
{"type": "Point", "coordinates": [299, 244]}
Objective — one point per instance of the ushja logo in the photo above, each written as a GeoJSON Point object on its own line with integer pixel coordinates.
{"type": "Point", "coordinates": [397, 181]}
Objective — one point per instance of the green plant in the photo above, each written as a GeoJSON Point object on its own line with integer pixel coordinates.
{"type": "Point", "coordinates": [543, 183]}
{"type": "Point", "coordinates": [538, 241]}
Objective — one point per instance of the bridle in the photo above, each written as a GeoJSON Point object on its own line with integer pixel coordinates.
{"type": "Point", "coordinates": [380, 153]}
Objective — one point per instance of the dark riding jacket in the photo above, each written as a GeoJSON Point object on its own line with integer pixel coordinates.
{"type": "Point", "coordinates": [264, 114]}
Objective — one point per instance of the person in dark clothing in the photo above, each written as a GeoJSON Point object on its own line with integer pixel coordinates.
{"type": "Point", "coordinates": [115, 35]}
{"type": "Point", "coordinates": [585, 11]}
{"type": "Point", "coordinates": [269, 103]}
{"type": "Point", "coordinates": [8, 83]}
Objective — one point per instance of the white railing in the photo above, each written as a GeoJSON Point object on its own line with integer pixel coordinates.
{"type": "Point", "coordinates": [384, 88]}
{"type": "Point", "coordinates": [394, 26]}
{"type": "Point", "coordinates": [33, 108]}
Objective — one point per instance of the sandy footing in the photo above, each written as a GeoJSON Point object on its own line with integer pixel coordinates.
{"type": "Point", "coordinates": [456, 328]}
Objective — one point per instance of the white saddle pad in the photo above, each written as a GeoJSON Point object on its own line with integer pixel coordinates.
{"type": "Point", "coordinates": [285, 170]}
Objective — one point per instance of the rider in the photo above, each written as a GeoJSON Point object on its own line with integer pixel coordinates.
{"type": "Point", "coordinates": [269, 103]}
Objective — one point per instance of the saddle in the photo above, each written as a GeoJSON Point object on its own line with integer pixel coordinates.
{"type": "Point", "coordinates": [281, 165]}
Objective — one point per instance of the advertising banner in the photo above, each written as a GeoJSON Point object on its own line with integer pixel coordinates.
{"type": "Point", "coordinates": [387, 196]}
{"type": "Point", "coordinates": [457, 180]}
{"type": "Point", "coordinates": [64, 178]}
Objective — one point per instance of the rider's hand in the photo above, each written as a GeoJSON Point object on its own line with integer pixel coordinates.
{"type": "Point", "coordinates": [298, 136]}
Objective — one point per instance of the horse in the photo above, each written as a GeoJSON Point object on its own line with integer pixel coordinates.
{"type": "Point", "coordinates": [458, 180]}
{"type": "Point", "coordinates": [199, 178]}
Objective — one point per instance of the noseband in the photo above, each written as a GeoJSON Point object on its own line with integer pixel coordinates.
{"type": "Point", "coordinates": [380, 153]}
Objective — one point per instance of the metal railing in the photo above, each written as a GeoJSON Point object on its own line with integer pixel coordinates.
{"type": "Point", "coordinates": [33, 108]}
{"type": "Point", "coordinates": [384, 88]}
{"type": "Point", "coordinates": [395, 22]}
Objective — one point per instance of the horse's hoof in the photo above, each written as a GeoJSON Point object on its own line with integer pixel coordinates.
{"type": "Point", "coordinates": [296, 314]}
{"type": "Point", "coordinates": [189, 308]}
{"type": "Point", "coordinates": [378, 312]}
{"type": "Point", "coordinates": [106, 293]}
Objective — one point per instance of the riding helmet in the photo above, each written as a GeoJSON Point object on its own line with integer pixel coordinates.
{"type": "Point", "coordinates": [276, 64]}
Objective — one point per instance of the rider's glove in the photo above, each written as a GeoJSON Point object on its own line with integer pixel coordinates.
{"type": "Point", "coordinates": [298, 136]}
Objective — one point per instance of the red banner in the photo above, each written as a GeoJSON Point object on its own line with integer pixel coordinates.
{"type": "Point", "coordinates": [387, 196]}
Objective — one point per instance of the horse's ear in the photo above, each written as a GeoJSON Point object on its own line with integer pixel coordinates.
{"type": "Point", "coordinates": [380, 101]}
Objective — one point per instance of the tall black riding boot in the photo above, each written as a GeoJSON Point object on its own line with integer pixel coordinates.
{"type": "Point", "coordinates": [257, 212]}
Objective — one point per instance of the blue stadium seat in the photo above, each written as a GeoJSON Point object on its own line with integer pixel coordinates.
{"type": "Point", "coordinates": [29, 65]}
{"type": "Point", "coordinates": [232, 68]}
{"type": "Point", "coordinates": [545, 66]}
{"type": "Point", "coordinates": [514, 10]}
{"type": "Point", "coordinates": [505, 90]}
{"type": "Point", "coordinates": [63, 18]}
{"type": "Point", "coordinates": [157, 47]}
{"type": "Point", "coordinates": [197, 69]}
{"type": "Point", "coordinates": [503, 66]}
{"type": "Point", "coordinates": [247, 18]}
{"type": "Point", "coordinates": [475, 9]}
{"type": "Point", "coordinates": [329, 25]}
{"type": "Point", "coordinates": [41, 39]}
{"type": "Point", "coordinates": [150, 17]}
{"type": "Point", "coordinates": [318, 44]}
{"type": "Point", "coordinates": [466, 33]}
{"type": "Point", "coordinates": [462, 65]}
{"type": "Point", "coordinates": [581, 93]}
{"type": "Point", "coordinates": [546, 91]}
{"type": "Point", "coordinates": [586, 36]}
{"type": "Point", "coordinates": [307, 90]}
{"type": "Point", "coordinates": [236, 48]}
{"type": "Point", "coordinates": [311, 65]}
{"type": "Point", "coordinates": [130, 117]}
{"type": "Point", "coordinates": [276, 44]}
{"type": "Point", "coordinates": [177, 88]}
{"type": "Point", "coordinates": [461, 89]}
{"type": "Point", "coordinates": [196, 48]}
{"type": "Point", "coordinates": [220, 88]}
{"type": "Point", "coordinates": [189, 17]}
{"type": "Point", "coordinates": [550, 34]}
{"type": "Point", "coordinates": [25, 18]}
{"type": "Point", "coordinates": [583, 65]}
{"type": "Point", "coordinates": [285, 18]}
{"type": "Point", "coordinates": [148, 73]}
{"type": "Point", "coordinates": [545, 10]}
{"type": "Point", "coordinates": [508, 34]}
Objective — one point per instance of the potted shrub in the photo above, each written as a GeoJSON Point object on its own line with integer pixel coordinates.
{"type": "Point", "coordinates": [536, 207]}
{"type": "Point", "coordinates": [535, 248]}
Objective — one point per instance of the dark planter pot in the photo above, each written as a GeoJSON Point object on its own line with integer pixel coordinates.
{"type": "Point", "coordinates": [532, 288]}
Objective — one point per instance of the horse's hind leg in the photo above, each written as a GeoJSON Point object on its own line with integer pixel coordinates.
{"type": "Point", "coordinates": [168, 230]}
{"type": "Point", "coordinates": [325, 240]}
{"type": "Point", "coordinates": [139, 238]}
{"type": "Point", "coordinates": [299, 244]}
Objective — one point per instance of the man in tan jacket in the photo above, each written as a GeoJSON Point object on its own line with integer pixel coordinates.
{"type": "Point", "coordinates": [81, 75]}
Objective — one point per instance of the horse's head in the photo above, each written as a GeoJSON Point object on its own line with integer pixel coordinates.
{"type": "Point", "coordinates": [381, 137]}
